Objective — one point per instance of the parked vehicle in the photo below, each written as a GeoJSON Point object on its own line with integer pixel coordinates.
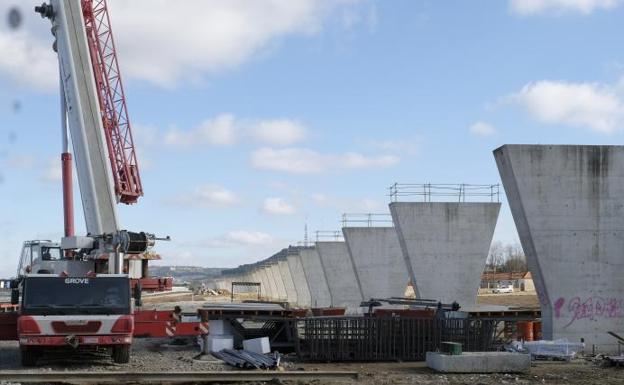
{"type": "Point", "coordinates": [501, 289]}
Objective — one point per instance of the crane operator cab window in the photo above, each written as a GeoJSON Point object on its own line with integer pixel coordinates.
{"type": "Point", "coordinates": [50, 253]}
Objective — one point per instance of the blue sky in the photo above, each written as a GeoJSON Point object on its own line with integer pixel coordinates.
{"type": "Point", "coordinates": [253, 118]}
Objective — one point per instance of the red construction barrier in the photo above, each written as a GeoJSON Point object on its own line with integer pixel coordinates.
{"type": "Point", "coordinates": [165, 323]}
{"type": "Point", "coordinates": [328, 311]}
{"type": "Point", "coordinates": [537, 330]}
{"type": "Point", "coordinates": [525, 330]}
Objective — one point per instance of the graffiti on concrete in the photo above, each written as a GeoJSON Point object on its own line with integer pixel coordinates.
{"type": "Point", "coordinates": [591, 308]}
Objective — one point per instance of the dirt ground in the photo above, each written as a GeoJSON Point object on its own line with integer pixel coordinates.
{"type": "Point", "coordinates": [576, 372]}
{"type": "Point", "coordinates": [519, 299]}
{"type": "Point", "coordinates": [152, 355]}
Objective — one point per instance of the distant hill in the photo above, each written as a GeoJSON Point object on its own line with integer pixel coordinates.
{"type": "Point", "coordinates": [185, 273]}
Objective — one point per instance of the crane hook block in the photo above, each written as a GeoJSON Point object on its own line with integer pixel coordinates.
{"type": "Point", "coordinates": [45, 10]}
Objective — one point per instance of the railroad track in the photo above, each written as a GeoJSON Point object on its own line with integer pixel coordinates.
{"type": "Point", "coordinates": [170, 377]}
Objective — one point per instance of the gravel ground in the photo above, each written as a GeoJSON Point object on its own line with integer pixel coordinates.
{"type": "Point", "coordinates": [147, 355]}
{"type": "Point", "coordinates": [151, 355]}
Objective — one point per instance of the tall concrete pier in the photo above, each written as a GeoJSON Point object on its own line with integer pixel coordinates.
{"type": "Point", "coordinates": [289, 284]}
{"type": "Point", "coordinates": [299, 278]}
{"type": "Point", "coordinates": [271, 291]}
{"type": "Point", "coordinates": [317, 283]}
{"type": "Point", "coordinates": [445, 246]}
{"type": "Point", "coordinates": [378, 261]}
{"type": "Point", "coordinates": [341, 279]}
{"type": "Point", "coordinates": [275, 274]}
{"type": "Point", "coordinates": [568, 206]}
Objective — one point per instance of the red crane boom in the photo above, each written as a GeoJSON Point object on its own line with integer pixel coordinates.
{"type": "Point", "coordinates": [112, 102]}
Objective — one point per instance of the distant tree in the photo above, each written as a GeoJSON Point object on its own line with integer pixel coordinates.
{"type": "Point", "coordinates": [505, 258]}
{"type": "Point", "coordinates": [515, 261]}
{"type": "Point", "coordinates": [515, 265]}
{"type": "Point", "coordinates": [496, 257]}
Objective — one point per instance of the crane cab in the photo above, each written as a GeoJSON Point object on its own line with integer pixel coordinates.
{"type": "Point", "coordinates": [44, 256]}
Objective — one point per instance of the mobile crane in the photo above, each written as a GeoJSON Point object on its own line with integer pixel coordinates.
{"type": "Point", "coordinates": [76, 294]}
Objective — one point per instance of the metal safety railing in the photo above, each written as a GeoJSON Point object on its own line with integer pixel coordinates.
{"type": "Point", "coordinates": [366, 220]}
{"type": "Point", "coordinates": [429, 192]}
{"type": "Point", "coordinates": [324, 235]}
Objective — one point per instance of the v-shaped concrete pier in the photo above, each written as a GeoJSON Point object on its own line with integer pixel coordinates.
{"type": "Point", "coordinates": [445, 246]}
{"type": "Point", "coordinates": [568, 206]}
{"type": "Point", "coordinates": [378, 261]}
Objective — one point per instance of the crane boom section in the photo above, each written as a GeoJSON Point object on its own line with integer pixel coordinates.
{"type": "Point", "coordinates": [123, 158]}
{"type": "Point", "coordinates": [85, 118]}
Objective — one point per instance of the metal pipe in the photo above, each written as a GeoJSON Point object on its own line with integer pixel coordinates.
{"type": "Point", "coordinates": [66, 168]}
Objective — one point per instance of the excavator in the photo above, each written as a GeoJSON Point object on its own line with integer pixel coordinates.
{"type": "Point", "coordinates": [83, 292]}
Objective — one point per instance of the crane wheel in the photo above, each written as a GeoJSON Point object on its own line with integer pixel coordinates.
{"type": "Point", "coordinates": [121, 354]}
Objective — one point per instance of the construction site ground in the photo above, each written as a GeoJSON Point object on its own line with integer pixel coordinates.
{"type": "Point", "coordinates": [157, 355]}
{"type": "Point", "coordinates": [152, 356]}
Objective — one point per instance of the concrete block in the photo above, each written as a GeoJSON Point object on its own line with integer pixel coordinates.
{"type": "Point", "coordinates": [479, 362]}
{"type": "Point", "coordinates": [568, 206]}
{"type": "Point", "coordinates": [445, 246]}
{"type": "Point", "coordinates": [220, 327]}
{"type": "Point", "coordinates": [378, 261]}
{"type": "Point", "coordinates": [216, 343]}
{"type": "Point", "coordinates": [299, 278]}
{"type": "Point", "coordinates": [341, 279]}
{"type": "Point", "coordinates": [257, 345]}
{"type": "Point", "coordinates": [317, 283]}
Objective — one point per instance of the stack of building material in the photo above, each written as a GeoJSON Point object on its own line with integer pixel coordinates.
{"type": "Point", "coordinates": [246, 359]}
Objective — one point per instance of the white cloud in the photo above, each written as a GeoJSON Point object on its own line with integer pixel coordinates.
{"type": "Point", "coordinates": [240, 238]}
{"type": "Point", "coordinates": [595, 106]}
{"type": "Point", "coordinates": [27, 57]}
{"type": "Point", "coordinates": [404, 146]}
{"type": "Point", "coordinates": [227, 130]}
{"type": "Point", "coordinates": [220, 131]}
{"type": "Point", "coordinates": [52, 172]}
{"type": "Point", "coordinates": [280, 132]}
{"type": "Point", "coordinates": [209, 195]}
{"type": "Point", "coordinates": [482, 129]}
{"type": "Point", "coordinates": [305, 161]}
{"type": "Point", "coordinates": [201, 37]}
{"type": "Point", "coordinates": [355, 160]}
{"type": "Point", "coordinates": [294, 160]}
{"type": "Point", "coordinates": [532, 7]}
{"type": "Point", "coordinates": [167, 42]}
{"type": "Point", "coordinates": [217, 195]}
{"type": "Point", "coordinates": [278, 206]}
